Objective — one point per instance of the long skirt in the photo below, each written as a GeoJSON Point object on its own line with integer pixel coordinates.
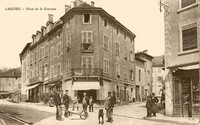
{"type": "Point", "coordinates": [154, 108]}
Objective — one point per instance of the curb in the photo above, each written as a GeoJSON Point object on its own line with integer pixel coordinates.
{"type": "Point", "coordinates": [16, 118]}
{"type": "Point", "coordinates": [157, 120]}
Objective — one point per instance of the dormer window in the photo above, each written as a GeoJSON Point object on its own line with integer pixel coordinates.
{"type": "Point", "coordinates": [87, 18]}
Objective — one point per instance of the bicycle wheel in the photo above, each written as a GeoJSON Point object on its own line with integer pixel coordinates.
{"type": "Point", "coordinates": [83, 115]}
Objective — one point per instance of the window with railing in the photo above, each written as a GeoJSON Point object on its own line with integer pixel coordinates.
{"type": "Point", "coordinates": [87, 42]}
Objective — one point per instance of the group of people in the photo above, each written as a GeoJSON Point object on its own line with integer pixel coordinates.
{"type": "Point", "coordinates": [151, 105]}
{"type": "Point", "coordinates": [65, 100]}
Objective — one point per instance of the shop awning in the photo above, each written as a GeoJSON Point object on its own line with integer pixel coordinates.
{"type": "Point", "coordinates": [190, 67]}
{"type": "Point", "coordinates": [33, 86]}
{"type": "Point", "coordinates": [86, 85]}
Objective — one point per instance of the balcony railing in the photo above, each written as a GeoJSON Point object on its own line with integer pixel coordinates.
{"type": "Point", "coordinates": [87, 72]}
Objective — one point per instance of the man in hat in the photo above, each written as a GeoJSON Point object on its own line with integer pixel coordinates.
{"type": "Point", "coordinates": [57, 101]}
{"type": "Point", "coordinates": [66, 100]}
{"type": "Point", "coordinates": [109, 105]}
{"type": "Point", "coordinates": [85, 101]}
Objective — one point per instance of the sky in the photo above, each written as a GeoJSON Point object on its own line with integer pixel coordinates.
{"type": "Point", "coordinates": [143, 18]}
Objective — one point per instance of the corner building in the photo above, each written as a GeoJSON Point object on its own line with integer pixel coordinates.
{"type": "Point", "coordinates": [87, 50]}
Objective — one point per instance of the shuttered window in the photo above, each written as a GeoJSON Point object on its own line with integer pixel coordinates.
{"type": "Point", "coordinates": [185, 3]}
{"type": "Point", "coordinates": [189, 39]}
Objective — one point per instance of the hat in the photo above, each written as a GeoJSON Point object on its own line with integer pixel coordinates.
{"type": "Point", "coordinates": [109, 92]}
{"type": "Point", "coordinates": [84, 93]}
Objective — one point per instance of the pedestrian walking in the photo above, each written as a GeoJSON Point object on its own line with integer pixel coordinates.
{"type": "Point", "coordinates": [85, 101]}
{"type": "Point", "coordinates": [91, 104]}
{"type": "Point", "coordinates": [66, 100]}
{"type": "Point", "coordinates": [109, 105]}
{"type": "Point", "coordinates": [75, 102]}
{"type": "Point", "coordinates": [149, 106]}
{"type": "Point", "coordinates": [57, 102]}
{"type": "Point", "coordinates": [154, 104]}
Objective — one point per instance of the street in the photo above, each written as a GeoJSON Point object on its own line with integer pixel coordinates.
{"type": "Point", "coordinates": [132, 114]}
{"type": "Point", "coordinates": [4, 120]}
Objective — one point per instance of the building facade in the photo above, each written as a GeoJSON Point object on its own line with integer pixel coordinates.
{"type": "Point", "coordinates": [87, 50]}
{"type": "Point", "coordinates": [182, 57]}
{"type": "Point", "coordinates": [10, 84]}
{"type": "Point", "coordinates": [143, 75]}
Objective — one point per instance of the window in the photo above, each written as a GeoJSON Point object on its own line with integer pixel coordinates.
{"type": "Point", "coordinates": [139, 75]}
{"type": "Point", "coordinates": [131, 56]}
{"type": "Point", "coordinates": [189, 38]}
{"type": "Point", "coordinates": [68, 23]}
{"type": "Point", "coordinates": [87, 45]}
{"type": "Point", "coordinates": [87, 18]}
{"type": "Point", "coordinates": [131, 40]}
{"type": "Point", "coordinates": [59, 69]}
{"type": "Point", "coordinates": [68, 42]}
{"type": "Point", "coordinates": [131, 75]}
{"type": "Point", "coordinates": [117, 48]}
{"type": "Point", "coordinates": [125, 73]}
{"type": "Point", "coordinates": [52, 71]}
{"type": "Point", "coordinates": [46, 50]}
{"type": "Point", "coordinates": [87, 62]}
{"type": "Point", "coordinates": [185, 3]}
{"type": "Point", "coordinates": [59, 49]}
{"type": "Point", "coordinates": [31, 59]}
{"type": "Point", "coordinates": [52, 53]}
{"type": "Point", "coordinates": [105, 42]}
{"type": "Point", "coordinates": [40, 53]}
{"type": "Point", "coordinates": [55, 71]}
{"type": "Point", "coordinates": [106, 66]}
{"type": "Point", "coordinates": [117, 31]}
{"type": "Point", "coordinates": [118, 70]}
{"type": "Point", "coordinates": [46, 69]}
{"type": "Point", "coordinates": [68, 66]}
{"type": "Point", "coordinates": [125, 53]}
{"type": "Point", "coordinates": [105, 22]}
{"type": "Point", "coordinates": [124, 36]}
{"type": "Point", "coordinates": [36, 56]}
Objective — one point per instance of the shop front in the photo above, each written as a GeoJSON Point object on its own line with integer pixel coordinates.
{"type": "Point", "coordinates": [186, 92]}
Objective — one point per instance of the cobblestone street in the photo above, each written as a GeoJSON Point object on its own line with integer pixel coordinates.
{"type": "Point", "coordinates": [132, 114]}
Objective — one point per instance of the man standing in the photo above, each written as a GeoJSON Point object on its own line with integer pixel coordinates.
{"type": "Point", "coordinates": [85, 101]}
{"type": "Point", "coordinates": [57, 101]}
{"type": "Point", "coordinates": [75, 102]}
{"type": "Point", "coordinates": [66, 100]}
{"type": "Point", "coordinates": [109, 105]}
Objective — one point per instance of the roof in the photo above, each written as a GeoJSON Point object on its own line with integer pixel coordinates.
{"type": "Point", "coordinates": [85, 6]}
{"type": "Point", "coordinates": [139, 59]}
{"type": "Point", "coordinates": [158, 61]}
{"type": "Point", "coordinates": [143, 53]}
{"type": "Point", "coordinates": [24, 50]}
{"type": "Point", "coordinates": [15, 72]}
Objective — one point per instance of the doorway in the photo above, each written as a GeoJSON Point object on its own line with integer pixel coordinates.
{"type": "Point", "coordinates": [89, 93]}
{"type": "Point", "coordinates": [137, 93]}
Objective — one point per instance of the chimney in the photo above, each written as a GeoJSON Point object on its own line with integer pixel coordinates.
{"type": "Point", "coordinates": [49, 23]}
{"type": "Point", "coordinates": [38, 35]}
{"type": "Point", "coordinates": [43, 30]}
{"type": "Point", "coordinates": [67, 8]}
{"type": "Point", "coordinates": [33, 38]}
{"type": "Point", "coordinates": [77, 3]}
{"type": "Point", "coordinates": [92, 3]}
{"type": "Point", "coordinates": [50, 18]}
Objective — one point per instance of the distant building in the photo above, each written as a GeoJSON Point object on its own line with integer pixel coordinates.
{"type": "Point", "coordinates": [10, 84]}
{"type": "Point", "coordinates": [182, 57]}
{"type": "Point", "coordinates": [87, 50]}
{"type": "Point", "coordinates": [143, 75]}
{"type": "Point", "coordinates": [159, 75]}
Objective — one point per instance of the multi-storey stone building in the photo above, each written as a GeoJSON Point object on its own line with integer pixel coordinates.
{"type": "Point", "coordinates": [87, 50]}
{"type": "Point", "coordinates": [182, 57]}
{"type": "Point", "coordinates": [143, 75]}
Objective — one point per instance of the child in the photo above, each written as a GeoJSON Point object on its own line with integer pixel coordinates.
{"type": "Point", "coordinates": [75, 102]}
{"type": "Point", "coordinates": [90, 104]}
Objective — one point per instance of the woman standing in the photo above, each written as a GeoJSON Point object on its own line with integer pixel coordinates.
{"type": "Point", "coordinates": [154, 106]}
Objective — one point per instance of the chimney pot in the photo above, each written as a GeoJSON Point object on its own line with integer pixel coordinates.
{"type": "Point", "coordinates": [67, 8]}
{"type": "Point", "coordinates": [92, 3]}
{"type": "Point", "coordinates": [50, 18]}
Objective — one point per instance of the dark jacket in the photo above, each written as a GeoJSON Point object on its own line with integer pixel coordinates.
{"type": "Point", "coordinates": [111, 102]}
{"type": "Point", "coordinates": [149, 102]}
{"type": "Point", "coordinates": [66, 100]}
{"type": "Point", "coordinates": [57, 99]}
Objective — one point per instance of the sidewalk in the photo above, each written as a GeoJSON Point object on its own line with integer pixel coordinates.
{"type": "Point", "coordinates": [132, 111]}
